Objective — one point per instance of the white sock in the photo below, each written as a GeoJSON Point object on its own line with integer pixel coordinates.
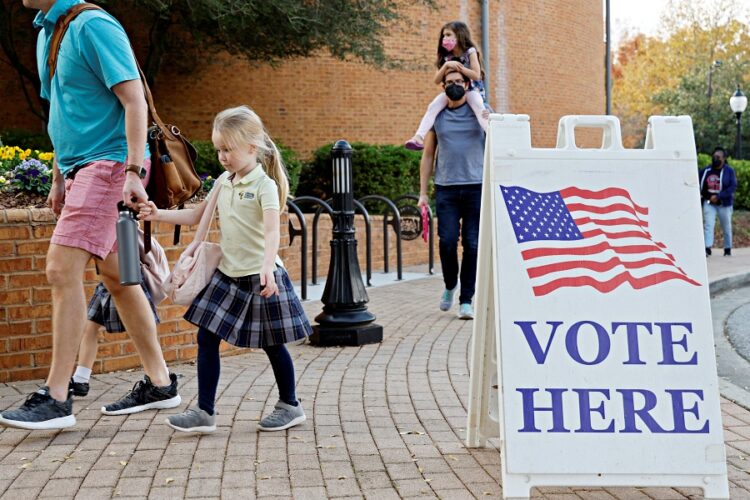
{"type": "Point", "coordinates": [82, 374]}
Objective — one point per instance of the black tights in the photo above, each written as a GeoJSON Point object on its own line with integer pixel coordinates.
{"type": "Point", "coordinates": [209, 368]}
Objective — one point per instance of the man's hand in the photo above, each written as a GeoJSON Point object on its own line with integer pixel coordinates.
{"type": "Point", "coordinates": [133, 191]}
{"type": "Point", "coordinates": [56, 196]}
{"type": "Point", "coordinates": [714, 199]}
{"type": "Point", "coordinates": [424, 201]}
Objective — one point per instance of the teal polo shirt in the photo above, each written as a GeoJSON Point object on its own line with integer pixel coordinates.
{"type": "Point", "coordinates": [86, 120]}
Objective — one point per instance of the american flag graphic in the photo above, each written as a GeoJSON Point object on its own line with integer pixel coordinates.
{"type": "Point", "coordinates": [576, 237]}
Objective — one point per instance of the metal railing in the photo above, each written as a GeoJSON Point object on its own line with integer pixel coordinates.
{"type": "Point", "coordinates": [392, 217]}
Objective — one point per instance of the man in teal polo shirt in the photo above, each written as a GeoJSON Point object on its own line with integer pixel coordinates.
{"type": "Point", "coordinates": [97, 123]}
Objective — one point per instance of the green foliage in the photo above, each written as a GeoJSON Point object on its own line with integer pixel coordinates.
{"type": "Point", "coordinates": [742, 170]}
{"type": "Point", "coordinates": [207, 163]}
{"type": "Point", "coordinates": [293, 166]}
{"type": "Point", "coordinates": [25, 139]}
{"type": "Point", "coordinates": [386, 170]}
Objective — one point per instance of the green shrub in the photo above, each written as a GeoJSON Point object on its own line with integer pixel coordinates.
{"type": "Point", "coordinates": [385, 170]}
{"type": "Point", "coordinates": [25, 139]}
{"type": "Point", "coordinates": [742, 170]}
{"type": "Point", "coordinates": [207, 163]}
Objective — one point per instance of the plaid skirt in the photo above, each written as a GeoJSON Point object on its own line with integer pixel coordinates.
{"type": "Point", "coordinates": [233, 309]}
{"type": "Point", "coordinates": [102, 309]}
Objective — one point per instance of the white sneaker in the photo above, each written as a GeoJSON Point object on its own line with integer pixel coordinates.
{"type": "Point", "coordinates": [465, 312]}
{"type": "Point", "coordinates": [283, 417]}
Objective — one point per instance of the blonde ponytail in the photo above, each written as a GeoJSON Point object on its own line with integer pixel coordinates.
{"type": "Point", "coordinates": [241, 125]}
{"type": "Point", "coordinates": [274, 167]}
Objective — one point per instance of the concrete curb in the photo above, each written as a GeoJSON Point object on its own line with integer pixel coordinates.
{"type": "Point", "coordinates": [721, 285]}
{"type": "Point", "coordinates": [728, 389]}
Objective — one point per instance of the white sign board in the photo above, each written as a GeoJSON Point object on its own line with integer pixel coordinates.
{"type": "Point", "coordinates": [593, 294]}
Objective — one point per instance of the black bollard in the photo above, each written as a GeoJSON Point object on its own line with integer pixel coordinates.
{"type": "Point", "coordinates": [345, 319]}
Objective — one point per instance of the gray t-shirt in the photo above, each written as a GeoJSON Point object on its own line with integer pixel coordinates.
{"type": "Point", "coordinates": [460, 154]}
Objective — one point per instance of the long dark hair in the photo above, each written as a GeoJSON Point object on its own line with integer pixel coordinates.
{"type": "Point", "coordinates": [463, 42]}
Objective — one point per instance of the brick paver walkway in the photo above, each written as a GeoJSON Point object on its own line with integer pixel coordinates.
{"type": "Point", "coordinates": [384, 421]}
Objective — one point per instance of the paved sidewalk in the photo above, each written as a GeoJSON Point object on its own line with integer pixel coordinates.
{"type": "Point", "coordinates": [384, 421]}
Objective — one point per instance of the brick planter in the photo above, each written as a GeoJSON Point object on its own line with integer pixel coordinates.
{"type": "Point", "coordinates": [25, 296]}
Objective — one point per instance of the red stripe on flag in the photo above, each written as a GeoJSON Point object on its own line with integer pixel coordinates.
{"type": "Point", "coordinates": [601, 195]}
{"type": "Point", "coordinates": [615, 236]}
{"type": "Point", "coordinates": [582, 207]}
{"type": "Point", "coordinates": [536, 272]}
{"type": "Point", "coordinates": [611, 284]}
{"type": "Point", "coordinates": [588, 250]}
{"type": "Point", "coordinates": [610, 222]}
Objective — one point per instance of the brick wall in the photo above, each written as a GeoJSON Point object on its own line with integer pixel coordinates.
{"type": "Point", "coordinates": [545, 60]}
{"type": "Point", "coordinates": [25, 297]}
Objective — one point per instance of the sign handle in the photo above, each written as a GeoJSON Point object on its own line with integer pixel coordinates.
{"type": "Point", "coordinates": [611, 140]}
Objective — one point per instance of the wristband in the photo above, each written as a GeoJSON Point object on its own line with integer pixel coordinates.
{"type": "Point", "coordinates": [132, 167]}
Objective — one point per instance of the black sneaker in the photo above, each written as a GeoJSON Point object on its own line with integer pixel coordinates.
{"type": "Point", "coordinates": [727, 252]}
{"type": "Point", "coordinates": [146, 396]}
{"type": "Point", "coordinates": [708, 251]}
{"type": "Point", "coordinates": [79, 389]}
{"type": "Point", "coordinates": [40, 411]}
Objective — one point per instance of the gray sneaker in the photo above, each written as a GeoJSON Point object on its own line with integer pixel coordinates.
{"type": "Point", "coordinates": [192, 420]}
{"type": "Point", "coordinates": [446, 300]}
{"type": "Point", "coordinates": [283, 417]}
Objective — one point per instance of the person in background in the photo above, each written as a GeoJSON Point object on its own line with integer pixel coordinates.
{"type": "Point", "coordinates": [455, 146]}
{"type": "Point", "coordinates": [718, 183]}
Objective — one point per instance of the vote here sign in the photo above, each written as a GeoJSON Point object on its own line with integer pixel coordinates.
{"type": "Point", "coordinates": [605, 347]}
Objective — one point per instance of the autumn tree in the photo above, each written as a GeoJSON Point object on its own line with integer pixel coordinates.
{"type": "Point", "coordinates": [691, 68]}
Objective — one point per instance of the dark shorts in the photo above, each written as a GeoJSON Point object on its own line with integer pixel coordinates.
{"type": "Point", "coordinates": [102, 310]}
{"type": "Point", "coordinates": [233, 309]}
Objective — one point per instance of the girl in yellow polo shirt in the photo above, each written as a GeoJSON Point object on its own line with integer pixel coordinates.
{"type": "Point", "coordinates": [250, 301]}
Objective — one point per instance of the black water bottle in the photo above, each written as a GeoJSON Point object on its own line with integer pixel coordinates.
{"type": "Point", "coordinates": [128, 256]}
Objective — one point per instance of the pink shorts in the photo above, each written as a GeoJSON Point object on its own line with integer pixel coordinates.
{"type": "Point", "coordinates": [89, 214]}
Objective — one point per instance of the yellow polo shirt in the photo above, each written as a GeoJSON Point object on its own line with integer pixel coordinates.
{"type": "Point", "coordinates": [241, 209]}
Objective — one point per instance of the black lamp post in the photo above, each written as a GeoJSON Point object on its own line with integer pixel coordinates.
{"type": "Point", "coordinates": [345, 319]}
{"type": "Point", "coordinates": [738, 103]}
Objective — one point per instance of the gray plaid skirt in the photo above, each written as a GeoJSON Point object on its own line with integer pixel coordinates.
{"type": "Point", "coordinates": [102, 309]}
{"type": "Point", "coordinates": [233, 309]}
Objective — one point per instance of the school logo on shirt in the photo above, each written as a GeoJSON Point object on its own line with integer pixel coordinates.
{"type": "Point", "coordinates": [245, 195]}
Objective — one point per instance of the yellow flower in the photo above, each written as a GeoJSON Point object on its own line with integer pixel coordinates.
{"type": "Point", "coordinates": [2, 180]}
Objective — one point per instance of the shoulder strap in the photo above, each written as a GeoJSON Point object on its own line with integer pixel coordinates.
{"type": "Point", "coordinates": [61, 26]}
{"type": "Point", "coordinates": [208, 215]}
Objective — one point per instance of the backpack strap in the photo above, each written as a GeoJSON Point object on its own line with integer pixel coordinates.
{"type": "Point", "coordinates": [61, 27]}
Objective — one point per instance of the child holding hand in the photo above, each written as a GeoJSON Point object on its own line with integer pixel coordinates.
{"type": "Point", "coordinates": [250, 301]}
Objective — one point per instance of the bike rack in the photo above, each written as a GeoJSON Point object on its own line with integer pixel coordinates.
{"type": "Point", "coordinates": [396, 224]}
{"type": "Point", "coordinates": [368, 239]}
{"type": "Point", "coordinates": [322, 206]}
{"type": "Point", "coordinates": [431, 234]}
{"type": "Point", "coordinates": [302, 232]}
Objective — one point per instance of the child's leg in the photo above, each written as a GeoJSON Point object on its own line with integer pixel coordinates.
{"type": "Point", "coordinates": [474, 98]}
{"type": "Point", "coordinates": [428, 120]}
{"type": "Point", "coordinates": [86, 352]}
{"type": "Point", "coordinates": [209, 368]}
{"type": "Point", "coordinates": [283, 371]}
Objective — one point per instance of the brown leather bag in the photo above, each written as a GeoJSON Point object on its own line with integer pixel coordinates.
{"type": "Point", "coordinates": [173, 179]}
